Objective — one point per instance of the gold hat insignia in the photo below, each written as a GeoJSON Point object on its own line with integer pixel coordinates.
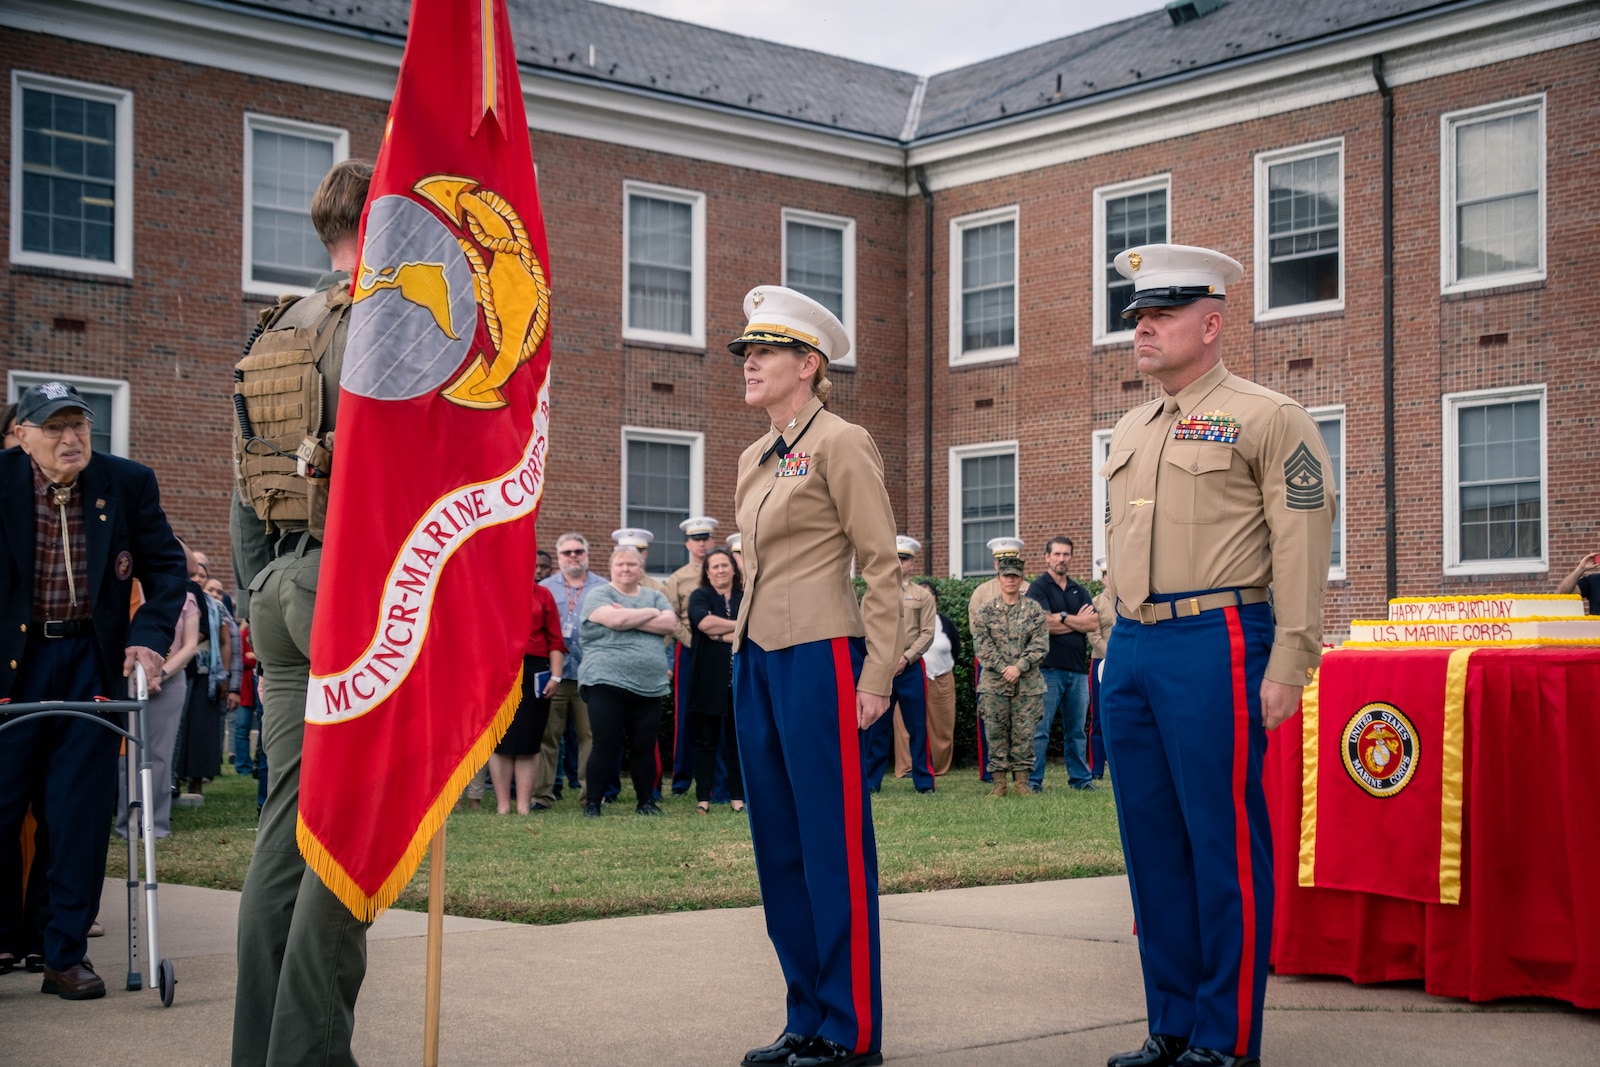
{"type": "Point", "coordinates": [1134, 259]}
{"type": "Point", "coordinates": [757, 299]}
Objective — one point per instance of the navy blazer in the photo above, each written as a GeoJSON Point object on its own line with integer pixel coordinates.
{"type": "Point", "coordinates": [122, 514]}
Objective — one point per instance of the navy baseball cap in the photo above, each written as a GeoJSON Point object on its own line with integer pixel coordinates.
{"type": "Point", "coordinates": [39, 402]}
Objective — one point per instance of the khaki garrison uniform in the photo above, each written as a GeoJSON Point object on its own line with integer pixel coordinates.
{"type": "Point", "coordinates": [799, 533]}
{"type": "Point", "coordinates": [804, 512]}
{"type": "Point", "coordinates": [1193, 515]}
{"type": "Point", "coordinates": [1214, 494]}
{"type": "Point", "coordinates": [680, 583]}
{"type": "Point", "coordinates": [908, 710]}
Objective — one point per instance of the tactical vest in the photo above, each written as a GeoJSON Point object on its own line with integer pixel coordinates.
{"type": "Point", "coordinates": [282, 441]}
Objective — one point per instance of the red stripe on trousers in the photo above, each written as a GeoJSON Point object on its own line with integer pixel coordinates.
{"type": "Point", "coordinates": [927, 738]}
{"type": "Point", "coordinates": [983, 753]}
{"type": "Point", "coordinates": [855, 861]}
{"type": "Point", "coordinates": [1241, 831]}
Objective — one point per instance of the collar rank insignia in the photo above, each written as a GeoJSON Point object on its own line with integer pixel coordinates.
{"type": "Point", "coordinates": [1212, 426]}
{"type": "Point", "coordinates": [794, 465]}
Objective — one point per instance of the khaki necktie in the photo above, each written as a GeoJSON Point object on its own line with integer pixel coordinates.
{"type": "Point", "coordinates": [1139, 539]}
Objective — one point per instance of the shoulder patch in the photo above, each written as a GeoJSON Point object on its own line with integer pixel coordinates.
{"type": "Point", "coordinates": [1302, 480]}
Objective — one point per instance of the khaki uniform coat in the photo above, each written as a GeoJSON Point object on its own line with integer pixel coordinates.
{"type": "Point", "coordinates": [919, 617]}
{"type": "Point", "coordinates": [1191, 515]}
{"type": "Point", "coordinates": [682, 582]}
{"type": "Point", "coordinates": [803, 517]}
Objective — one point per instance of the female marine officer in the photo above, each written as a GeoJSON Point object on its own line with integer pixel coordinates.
{"type": "Point", "coordinates": [812, 670]}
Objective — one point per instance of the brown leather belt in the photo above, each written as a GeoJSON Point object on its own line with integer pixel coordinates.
{"type": "Point", "coordinates": [1188, 606]}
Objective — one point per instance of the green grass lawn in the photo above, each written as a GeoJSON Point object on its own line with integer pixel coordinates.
{"type": "Point", "coordinates": [555, 866]}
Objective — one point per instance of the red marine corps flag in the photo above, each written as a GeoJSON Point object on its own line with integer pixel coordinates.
{"type": "Point", "coordinates": [1384, 756]}
{"type": "Point", "coordinates": [428, 567]}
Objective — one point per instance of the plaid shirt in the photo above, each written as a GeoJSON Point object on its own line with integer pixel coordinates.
{"type": "Point", "coordinates": [52, 596]}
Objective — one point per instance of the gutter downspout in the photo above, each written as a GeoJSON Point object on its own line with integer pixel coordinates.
{"type": "Point", "coordinates": [1390, 505]}
{"type": "Point", "coordinates": [927, 368]}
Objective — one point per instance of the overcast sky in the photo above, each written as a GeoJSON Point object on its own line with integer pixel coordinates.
{"type": "Point", "coordinates": [920, 36]}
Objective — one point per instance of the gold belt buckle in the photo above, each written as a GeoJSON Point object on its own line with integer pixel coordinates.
{"type": "Point", "coordinates": [1147, 613]}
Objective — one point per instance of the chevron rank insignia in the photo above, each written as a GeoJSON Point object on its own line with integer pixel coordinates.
{"type": "Point", "coordinates": [1302, 480]}
{"type": "Point", "coordinates": [1212, 426]}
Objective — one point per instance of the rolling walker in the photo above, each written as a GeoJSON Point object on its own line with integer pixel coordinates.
{"type": "Point", "coordinates": [138, 771]}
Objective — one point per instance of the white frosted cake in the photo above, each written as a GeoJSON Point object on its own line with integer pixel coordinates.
{"type": "Point", "coordinates": [1505, 619]}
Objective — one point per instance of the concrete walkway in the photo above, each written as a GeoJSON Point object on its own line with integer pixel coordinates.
{"type": "Point", "coordinates": [1006, 975]}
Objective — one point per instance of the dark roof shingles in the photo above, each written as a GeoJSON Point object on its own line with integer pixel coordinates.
{"type": "Point", "coordinates": [646, 51]}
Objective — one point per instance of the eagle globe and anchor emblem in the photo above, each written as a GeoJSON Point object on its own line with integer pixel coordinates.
{"type": "Point", "coordinates": [1379, 749]}
{"type": "Point", "coordinates": [428, 278]}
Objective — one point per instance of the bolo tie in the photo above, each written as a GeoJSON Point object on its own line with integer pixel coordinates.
{"type": "Point", "coordinates": [61, 494]}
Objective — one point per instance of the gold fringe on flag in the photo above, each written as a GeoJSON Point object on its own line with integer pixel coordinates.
{"type": "Point", "coordinates": [336, 878]}
{"type": "Point", "coordinates": [1452, 762]}
{"type": "Point", "coordinates": [1309, 708]}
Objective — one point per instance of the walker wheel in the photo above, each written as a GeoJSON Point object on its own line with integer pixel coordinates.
{"type": "Point", "coordinates": [166, 982]}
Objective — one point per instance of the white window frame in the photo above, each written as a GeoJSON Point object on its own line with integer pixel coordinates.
{"type": "Point", "coordinates": [116, 388]}
{"type": "Point", "coordinates": [1452, 404]}
{"type": "Point", "coordinates": [1263, 279]}
{"type": "Point", "coordinates": [696, 337]}
{"type": "Point", "coordinates": [953, 501]}
{"type": "Point", "coordinates": [847, 226]}
{"type": "Point", "coordinates": [1328, 414]}
{"type": "Point", "coordinates": [340, 139]}
{"type": "Point", "coordinates": [1099, 452]}
{"type": "Point", "coordinates": [958, 226]}
{"type": "Point", "coordinates": [121, 264]}
{"type": "Point", "coordinates": [697, 466]}
{"type": "Point", "coordinates": [1448, 124]}
{"type": "Point", "coordinates": [1108, 332]}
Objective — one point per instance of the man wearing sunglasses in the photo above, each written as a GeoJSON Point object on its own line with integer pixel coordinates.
{"type": "Point", "coordinates": [76, 530]}
{"type": "Point", "coordinates": [569, 586]}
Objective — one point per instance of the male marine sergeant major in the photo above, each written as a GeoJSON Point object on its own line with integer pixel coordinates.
{"type": "Point", "coordinates": [76, 528]}
{"type": "Point", "coordinates": [302, 955]}
{"type": "Point", "coordinates": [1217, 490]}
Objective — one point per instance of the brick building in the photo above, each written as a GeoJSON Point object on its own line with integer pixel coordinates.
{"type": "Point", "coordinates": [159, 157]}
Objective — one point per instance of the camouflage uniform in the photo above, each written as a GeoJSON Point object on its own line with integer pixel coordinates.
{"type": "Point", "coordinates": [1010, 635]}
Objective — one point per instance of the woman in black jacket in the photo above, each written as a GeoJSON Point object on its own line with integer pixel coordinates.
{"type": "Point", "coordinates": [713, 607]}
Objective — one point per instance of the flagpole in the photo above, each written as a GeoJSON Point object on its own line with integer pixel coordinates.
{"type": "Point", "coordinates": [430, 1010]}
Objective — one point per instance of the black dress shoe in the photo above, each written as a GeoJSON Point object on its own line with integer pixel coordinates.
{"type": "Point", "coordinates": [776, 1053]}
{"type": "Point", "coordinates": [591, 811]}
{"type": "Point", "coordinates": [1160, 1050]}
{"type": "Point", "coordinates": [820, 1052]}
{"type": "Point", "coordinates": [1207, 1057]}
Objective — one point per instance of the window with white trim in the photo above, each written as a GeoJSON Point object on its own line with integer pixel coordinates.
{"type": "Point", "coordinates": [1300, 230]}
{"type": "Point", "coordinates": [983, 503]}
{"type": "Point", "coordinates": [1330, 421]}
{"type": "Point", "coordinates": [1099, 453]}
{"type": "Point", "coordinates": [1125, 216]}
{"type": "Point", "coordinates": [284, 162]}
{"type": "Point", "coordinates": [819, 260]}
{"type": "Point", "coordinates": [1492, 198]}
{"type": "Point", "coordinates": [1494, 482]}
{"type": "Point", "coordinates": [983, 286]}
{"type": "Point", "coordinates": [663, 483]}
{"type": "Point", "coordinates": [664, 265]}
{"type": "Point", "coordinates": [72, 175]}
{"type": "Point", "coordinates": [107, 399]}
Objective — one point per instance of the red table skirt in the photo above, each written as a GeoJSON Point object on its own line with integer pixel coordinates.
{"type": "Point", "coordinates": [1528, 924]}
